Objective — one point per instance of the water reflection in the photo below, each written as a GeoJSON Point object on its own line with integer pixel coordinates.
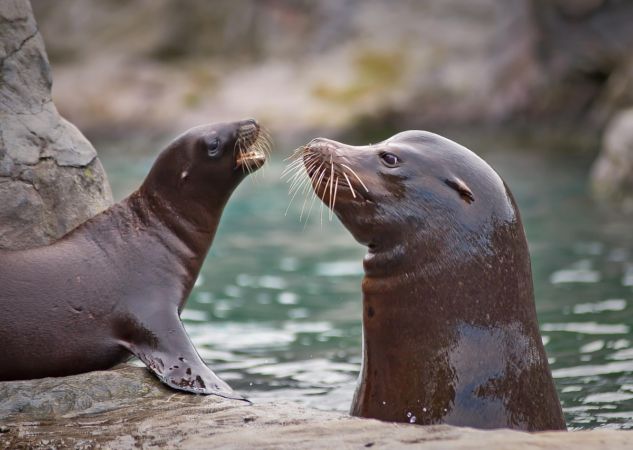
{"type": "Point", "coordinates": [277, 310]}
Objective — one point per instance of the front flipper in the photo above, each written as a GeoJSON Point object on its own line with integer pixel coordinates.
{"type": "Point", "coordinates": [165, 348]}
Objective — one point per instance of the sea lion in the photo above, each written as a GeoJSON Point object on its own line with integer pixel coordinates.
{"type": "Point", "coordinates": [115, 286]}
{"type": "Point", "coordinates": [450, 333]}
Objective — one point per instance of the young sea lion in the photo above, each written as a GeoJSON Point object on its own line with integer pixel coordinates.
{"type": "Point", "coordinates": [114, 286]}
{"type": "Point", "coordinates": [449, 323]}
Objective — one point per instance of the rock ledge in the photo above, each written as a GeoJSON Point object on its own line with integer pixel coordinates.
{"type": "Point", "coordinates": [127, 407]}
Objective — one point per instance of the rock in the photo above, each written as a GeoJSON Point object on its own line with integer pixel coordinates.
{"type": "Point", "coordinates": [612, 173]}
{"type": "Point", "coordinates": [50, 177]}
{"type": "Point", "coordinates": [128, 407]}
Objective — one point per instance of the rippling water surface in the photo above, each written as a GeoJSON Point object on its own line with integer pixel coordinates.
{"type": "Point", "coordinates": [276, 311]}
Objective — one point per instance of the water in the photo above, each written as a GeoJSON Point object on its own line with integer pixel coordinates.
{"type": "Point", "coordinates": [276, 311]}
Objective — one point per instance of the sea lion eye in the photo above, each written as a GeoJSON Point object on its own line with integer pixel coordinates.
{"type": "Point", "coordinates": [389, 160]}
{"type": "Point", "coordinates": [213, 147]}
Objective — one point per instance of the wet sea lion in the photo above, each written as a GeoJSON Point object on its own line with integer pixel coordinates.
{"type": "Point", "coordinates": [114, 286]}
{"type": "Point", "coordinates": [450, 333]}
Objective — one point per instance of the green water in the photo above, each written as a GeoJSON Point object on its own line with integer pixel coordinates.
{"type": "Point", "coordinates": [276, 311]}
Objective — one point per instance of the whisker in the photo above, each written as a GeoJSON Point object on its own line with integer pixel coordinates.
{"type": "Point", "coordinates": [357, 177]}
{"type": "Point", "coordinates": [314, 198]}
{"type": "Point", "coordinates": [295, 194]}
{"type": "Point", "coordinates": [299, 174]}
{"type": "Point", "coordinates": [307, 191]}
{"type": "Point", "coordinates": [334, 202]}
{"type": "Point", "coordinates": [301, 164]}
{"type": "Point", "coordinates": [298, 163]}
{"type": "Point", "coordinates": [322, 202]}
{"type": "Point", "coordinates": [318, 183]}
{"type": "Point", "coordinates": [350, 185]}
{"type": "Point", "coordinates": [331, 178]}
{"type": "Point", "coordinates": [298, 152]}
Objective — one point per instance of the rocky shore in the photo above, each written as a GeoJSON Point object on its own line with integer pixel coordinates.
{"type": "Point", "coordinates": [127, 407]}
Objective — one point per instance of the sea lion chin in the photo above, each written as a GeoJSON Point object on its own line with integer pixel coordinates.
{"type": "Point", "coordinates": [450, 333]}
{"type": "Point", "coordinates": [114, 286]}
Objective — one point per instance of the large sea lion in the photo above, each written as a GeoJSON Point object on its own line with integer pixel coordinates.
{"type": "Point", "coordinates": [114, 286]}
{"type": "Point", "coordinates": [449, 323]}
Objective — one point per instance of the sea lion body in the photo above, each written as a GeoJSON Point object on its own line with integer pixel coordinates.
{"type": "Point", "coordinates": [115, 286]}
{"type": "Point", "coordinates": [450, 333]}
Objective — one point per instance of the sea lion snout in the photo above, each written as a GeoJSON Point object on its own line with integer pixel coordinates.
{"type": "Point", "coordinates": [253, 142]}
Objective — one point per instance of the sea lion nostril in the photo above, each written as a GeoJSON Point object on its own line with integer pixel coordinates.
{"type": "Point", "coordinates": [253, 121]}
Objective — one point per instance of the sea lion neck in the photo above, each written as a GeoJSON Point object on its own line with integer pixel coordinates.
{"type": "Point", "coordinates": [194, 226]}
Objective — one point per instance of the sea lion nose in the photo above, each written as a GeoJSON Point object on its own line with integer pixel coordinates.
{"type": "Point", "coordinates": [253, 121]}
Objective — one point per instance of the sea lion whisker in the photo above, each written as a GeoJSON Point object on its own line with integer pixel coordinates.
{"type": "Point", "coordinates": [298, 182]}
{"type": "Point", "coordinates": [309, 212]}
{"type": "Point", "coordinates": [331, 182]}
{"type": "Point", "coordinates": [299, 151]}
{"type": "Point", "coordinates": [308, 196]}
{"type": "Point", "coordinates": [295, 194]}
{"type": "Point", "coordinates": [349, 185]}
{"type": "Point", "coordinates": [296, 178]}
{"type": "Point", "coordinates": [334, 202]}
{"type": "Point", "coordinates": [304, 203]}
{"type": "Point", "coordinates": [316, 172]}
{"type": "Point", "coordinates": [322, 202]}
{"type": "Point", "coordinates": [299, 175]}
{"type": "Point", "coordinates": [314, 196]}
{"type": "Point", "coordinates": [318, 183]}
{"type": "Point", "coordinates": [357, 177]}
{"type": "Point", "coordinates": [297, 164]}
{"type": "Point", "coordinates": [307, 165]}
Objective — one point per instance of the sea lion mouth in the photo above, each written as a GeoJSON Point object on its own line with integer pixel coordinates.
{"type": "Point", "coordinates": [317, 165]}
{"type": "Point", "coordinates": [252, 145]}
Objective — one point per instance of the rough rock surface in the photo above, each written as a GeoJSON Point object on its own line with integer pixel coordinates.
{"type": "Point", "coordinates": [612, 173]}
{"type": "Point", "coordinates": [50, 177]}
{"type": "Point", "coordinates": [127, 407]}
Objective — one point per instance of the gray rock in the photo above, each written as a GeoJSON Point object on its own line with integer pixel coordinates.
{"type": "Point", "coordinates": [127, 407]}
{"type": "Point", "coordinates": [612, 173]}
{"type": "Point", "coordinates": [50, 177]}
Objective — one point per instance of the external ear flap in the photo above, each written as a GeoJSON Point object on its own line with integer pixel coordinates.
{"type": "Point", "coordinates": [183, 177]}
{"type": "Point", "coordinates": [464, 191]}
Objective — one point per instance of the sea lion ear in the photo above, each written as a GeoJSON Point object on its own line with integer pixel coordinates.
{"type": "Point", "coordinates": [464, 191]}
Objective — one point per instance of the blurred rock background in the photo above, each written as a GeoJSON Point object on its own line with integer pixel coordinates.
{"type": "Point", "coordinates": [162, 66]}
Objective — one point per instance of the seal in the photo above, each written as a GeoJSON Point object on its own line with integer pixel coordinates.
{"type": "Point", "coordinates": [450, 333]}
{"type": "Point", "coordinates": [115, 286]}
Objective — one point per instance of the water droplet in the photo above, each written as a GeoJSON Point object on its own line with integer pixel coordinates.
{"type": "Point", "coordinates": [409, 414]}
{"type": "Point", "coordinates": [413, 419]}
{"type": "Point", "coordinates": [384, 403]}
{"type": "Point", "coordinates": [424, 409]}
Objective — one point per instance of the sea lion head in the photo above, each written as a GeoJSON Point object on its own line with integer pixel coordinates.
{"type": "Point", "coordinates": [415, 188]}
{"type": "Point", "coordinates": [202, 167]}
